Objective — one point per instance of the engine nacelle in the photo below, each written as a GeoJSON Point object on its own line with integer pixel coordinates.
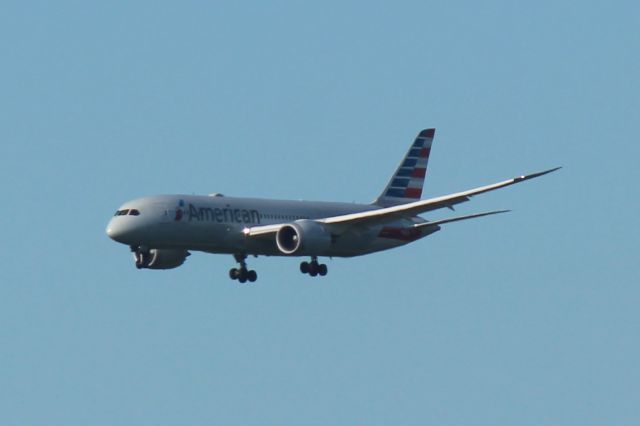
{"type": "Point", "coordinates": [303, 237]}
{"type": "Point", "coordinates": [162, 258]}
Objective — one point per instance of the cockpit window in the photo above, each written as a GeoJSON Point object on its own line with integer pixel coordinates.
{"type": "Point", "coordinates": [122, 212]}
{"type": "Point", "coordinates": [134, 212]}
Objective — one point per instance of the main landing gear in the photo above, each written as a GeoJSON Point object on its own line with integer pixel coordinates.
{"type": "Point", "coordinates": [242, 274]}
{"type": "Point", "coordinates": [314, 268]}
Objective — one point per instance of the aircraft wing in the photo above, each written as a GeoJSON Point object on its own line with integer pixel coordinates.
{"type": "Point", "coordinates": [256, 231]}
{"type": "Point", "coordinates": [417, 207]}
{"type": "Point", "coordinates": [389, 214]}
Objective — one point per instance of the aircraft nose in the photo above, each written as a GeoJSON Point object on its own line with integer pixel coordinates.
{"type": "Point", "coordinates": [112, 231]}
{"type": "Point", "coordinates": [117, 232]}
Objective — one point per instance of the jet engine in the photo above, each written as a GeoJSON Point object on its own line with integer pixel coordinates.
{"type": "Point", "coordinates": [303, 237]}
{"type": "Point", "coordinates": [160, 258]}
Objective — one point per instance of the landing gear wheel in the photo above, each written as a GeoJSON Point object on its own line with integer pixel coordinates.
{"type": "Point", "coordinates": [322, 269]}
{"type": "Point", "coordinates": [233, 273]}
{"type": "Point", "coordinates": [242, 274]}
{"type": "Point", "coordinates": [142, 257]}
{"type": "Point", "coordinates": [313, 271]}
{"type": "Point", "coordinates": [314, 268]}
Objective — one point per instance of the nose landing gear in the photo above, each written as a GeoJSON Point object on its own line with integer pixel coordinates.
{"type": "Point", "coordinates": [142, 256]}
{"type": "Point", "coordinates": [314, 268]}
{"type": "Point", "coordinates": [242, 274]}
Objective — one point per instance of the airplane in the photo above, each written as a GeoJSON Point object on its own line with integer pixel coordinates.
{"type": "Point", "coordinates": [162, 230]}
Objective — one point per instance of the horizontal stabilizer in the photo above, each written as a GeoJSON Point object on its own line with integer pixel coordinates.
{"type": "Point", "coordinates": [456, 219]}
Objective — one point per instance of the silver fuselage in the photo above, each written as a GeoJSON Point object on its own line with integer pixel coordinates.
{"type": "Point", "coordinates": [215, 224]}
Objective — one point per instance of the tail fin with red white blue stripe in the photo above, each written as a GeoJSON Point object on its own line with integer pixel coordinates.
{"type": "Point", "coordinates": [406, 183]}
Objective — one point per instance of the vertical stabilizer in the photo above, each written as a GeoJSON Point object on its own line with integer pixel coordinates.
{"type": "Point", "coordinates": [406, 183]}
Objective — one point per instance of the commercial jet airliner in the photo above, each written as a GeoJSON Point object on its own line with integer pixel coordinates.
{"type": "Point", "coordinates": [162, 230]}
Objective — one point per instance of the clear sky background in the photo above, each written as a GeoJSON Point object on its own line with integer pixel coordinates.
{"type": "Point", "coordinates": [527, 318]}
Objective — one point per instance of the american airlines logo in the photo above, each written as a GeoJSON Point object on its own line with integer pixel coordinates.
{"type": "Point", "coordinates": [179, 211]}
{"type": "Point", "coordinates": [227, 214]}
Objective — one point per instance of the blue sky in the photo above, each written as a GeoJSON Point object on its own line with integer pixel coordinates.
{"type": "Point", "coordinates": [527, 318]}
